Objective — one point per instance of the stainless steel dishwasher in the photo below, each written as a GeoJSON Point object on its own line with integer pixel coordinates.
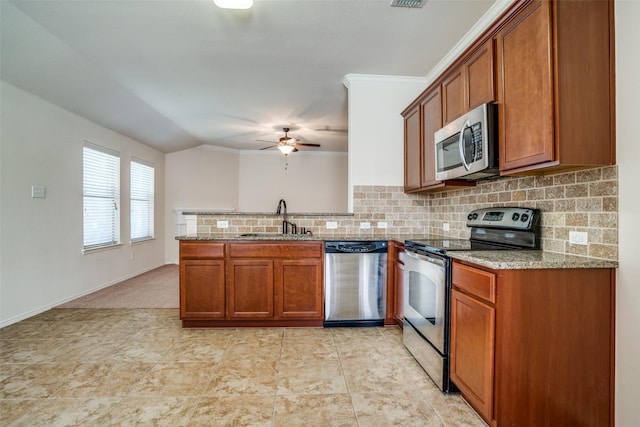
{"type": "Point", "coordinates": [355, 283]}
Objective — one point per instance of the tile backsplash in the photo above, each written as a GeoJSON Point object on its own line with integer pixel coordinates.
{"type": "Point", "coordinates": [585, 200]}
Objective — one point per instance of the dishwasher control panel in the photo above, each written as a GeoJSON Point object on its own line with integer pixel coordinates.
{"type": "Point", "coordinates": [356, 247]}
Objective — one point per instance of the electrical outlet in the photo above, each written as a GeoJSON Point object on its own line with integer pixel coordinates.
{"type": "Point", "coordinates": [382, 225]}
{"type": "Point", "coordinates": [222, 224]}
{"type": "Point", "coordinates": [332, 225]}
{"type": "Point", "coordinates": [445, 226]}
{"type": "Point", "coordinates": [365, 225]}
{"type": "Point", "coordinates": [38, 191]}
{"type": "Point", "coordinates": [578, 237]}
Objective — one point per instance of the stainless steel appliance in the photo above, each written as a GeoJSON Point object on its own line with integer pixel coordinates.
{"type": "Point", "coordinates": [427, 280]}
{"type": "Point", "coordinates": [466, 148]}
{"type": "Point", "coordinates": [355, 281]}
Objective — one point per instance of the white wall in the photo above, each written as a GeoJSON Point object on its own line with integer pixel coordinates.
{"type": "Point", "coordinates": [42, 264]}
{"type": "Point", "coordinates": [628, 153]}
{"type": "Point", "coordinates": [376, 142]}
{"type": "Point", "coordinates": [198, 178]}
{"type": "Point", "coordinates": [312, 182]}
{"type": "Point", "coordinates": [248, 181]}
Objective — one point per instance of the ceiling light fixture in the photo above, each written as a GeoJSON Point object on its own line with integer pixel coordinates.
{"type": "Point", "coordinates": [234, 4]}
{"type": "Point", "coordinates": [286, 149]}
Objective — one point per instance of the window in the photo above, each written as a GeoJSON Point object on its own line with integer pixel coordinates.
{"type": "Point", "coordinates": [141, 201]}
{"type": "Point", "coordinates": [101, 191]}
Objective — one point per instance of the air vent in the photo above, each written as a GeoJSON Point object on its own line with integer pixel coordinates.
{"type": "Point", "coordinates": [408, 3]}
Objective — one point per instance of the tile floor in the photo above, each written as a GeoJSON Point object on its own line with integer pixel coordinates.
{"type": "Point", "coordinates": [125, 367]}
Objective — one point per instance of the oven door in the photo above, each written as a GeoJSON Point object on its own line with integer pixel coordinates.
{"type": "Point", "coordinates": [425, 287]}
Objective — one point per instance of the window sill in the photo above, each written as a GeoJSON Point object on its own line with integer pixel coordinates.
{"type": "Point", "coordinates": [101, 248]}
{"type": "Point", "coordinates": [139, 241]}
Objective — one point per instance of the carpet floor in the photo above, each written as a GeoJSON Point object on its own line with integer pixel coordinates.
{"type": "Point", "coordinates": [158, 288]}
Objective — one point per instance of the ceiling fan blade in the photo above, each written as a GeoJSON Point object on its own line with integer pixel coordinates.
{"type": "Point", "coordinates": [271, 146]}
{"type": "Point", "coordinates": [328, 129]}
{"type": "Point", "coordinates": [302, 144]}
{"type": "Point", "coordinates": [264, 140]}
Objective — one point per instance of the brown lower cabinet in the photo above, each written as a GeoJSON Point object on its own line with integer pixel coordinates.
{"type": "Point", "coordinates": [395, 287]}
{"type": "Point", "coordinates": [251, 283]}
{"type": "Point", "coordinates": [534, 347]}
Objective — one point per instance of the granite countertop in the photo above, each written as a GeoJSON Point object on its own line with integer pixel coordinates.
{"type": "Point", "coordinates": [231, 212]}
{"type": "Point", "coordinates": [497, 260]}
{"type": "Point", "coordinates": [531, 260]}
{"type": "Point", "coordinates": [298, 237]}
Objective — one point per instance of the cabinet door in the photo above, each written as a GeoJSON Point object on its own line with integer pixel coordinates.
{"type": "Point", "coordinates": [478, 76]}
{"type": "Point", "coordinates": [453, 104]}
{"type": "Point", "coordinates": [472, 351]}
{"type": "Point", "coordinates": [412, 150]}
{"type": "Point", "coordinates": [250, 289]}
{"type": "Point", "coordinates": [202, 286]}
{"type": "Point", "coordinates": [431, 108]}
{"type": "Point", "coordinates": [298, 290]}
{"type": "Point", "coordinates": [525, 89]}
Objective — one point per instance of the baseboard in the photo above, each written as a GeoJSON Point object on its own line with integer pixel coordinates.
{"type": "Point", "coordinates": [34, 312]}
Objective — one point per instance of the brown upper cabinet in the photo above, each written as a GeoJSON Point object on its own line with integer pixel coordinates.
{"type": "Point", "coordinates": [549, 67]}
{"type": "Point", "coordinates": [453, 95]}
{"type": "Point", "coordinates": [479, 76]}
{"type": "Point", "coordinates": [555, 91]}
{"type": "Point", "coordinates": [412, 149]}
{"type": "Point", "coordinates": [431, 114]}
{"type": "Point", "coordinates": [467, 85]}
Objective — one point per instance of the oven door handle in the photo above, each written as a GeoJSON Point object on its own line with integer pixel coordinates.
{"type": "Point", "coordinates": [420, 257]}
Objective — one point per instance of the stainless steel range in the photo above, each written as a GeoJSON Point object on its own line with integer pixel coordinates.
{"type": "Point", "coordinates": [427, 280]}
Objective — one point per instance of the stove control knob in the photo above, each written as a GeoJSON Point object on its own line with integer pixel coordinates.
{"type": "Point", "coordinates": [515, 216]}
{"type": "Point", "coordinates": [524, 217]}
{"type": "Point", "coordinates": [469, 217]}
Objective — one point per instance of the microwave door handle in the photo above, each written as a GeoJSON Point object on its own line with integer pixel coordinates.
{"type": "Point", "coordinates": [461, 144]}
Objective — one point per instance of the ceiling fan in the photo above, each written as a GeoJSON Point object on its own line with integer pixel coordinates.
{"type": "Point", "coordinates": [287, 144]}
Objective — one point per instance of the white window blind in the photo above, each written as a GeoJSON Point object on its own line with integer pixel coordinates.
{"type": "Point", "coordinates": [101, 190]}
{"type": "Point", "coordinates": [142, 195]}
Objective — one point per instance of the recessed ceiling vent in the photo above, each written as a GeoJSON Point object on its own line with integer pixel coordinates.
{"type": "Point", "coordinates": [408, 3]}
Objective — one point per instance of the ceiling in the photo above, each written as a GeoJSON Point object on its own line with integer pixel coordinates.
{"type": "Point", "coordinates": [181, 73]}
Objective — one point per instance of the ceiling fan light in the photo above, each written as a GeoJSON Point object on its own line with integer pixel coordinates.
{"type": "Point", "coordinates": [234, 4]}
{"type": "Point", "coordinates": [286, 149]}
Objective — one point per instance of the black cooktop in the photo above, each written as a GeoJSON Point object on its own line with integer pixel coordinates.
{"type": "Point", "coordinates": [492, 229]}
{"type": "Point", "coordinates": [446, 245]}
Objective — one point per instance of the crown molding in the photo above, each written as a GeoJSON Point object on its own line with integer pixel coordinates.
{"type": "Point", "coordinates": [349, 78]}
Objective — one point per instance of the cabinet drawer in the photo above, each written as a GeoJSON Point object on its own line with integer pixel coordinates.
{"type": "Point", "coordinates": [476, 282]}
{"type": "Point", "coordinates": [201, 250]}
{"type": "Point", "coordinates": [278, 249]}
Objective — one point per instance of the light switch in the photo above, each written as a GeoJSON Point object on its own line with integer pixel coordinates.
{"type": "Point", "coordinates": [38, 191]}
{"type": "Point", "coordinates": [332, 225]}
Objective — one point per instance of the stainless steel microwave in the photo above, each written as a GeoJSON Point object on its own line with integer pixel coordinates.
{"type": "Point", "coordinates": [467, 148]}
